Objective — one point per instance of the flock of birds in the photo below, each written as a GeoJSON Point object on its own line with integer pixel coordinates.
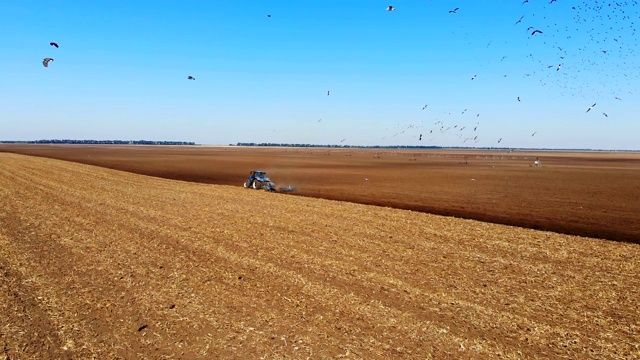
{"type": "Point", "coordinates": [590, 17]}
{"type": "Point", "coordinates": [602, 44]}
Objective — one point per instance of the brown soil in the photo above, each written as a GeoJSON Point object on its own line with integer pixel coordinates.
{"type": "Point", "coordinates": [590, 194]}
{"type": "Point", "coordinates": [97, 263]}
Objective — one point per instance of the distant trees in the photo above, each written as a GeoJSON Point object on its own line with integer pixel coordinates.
{"type": "Point", "coordinates": [100, 142]}
{"type": "Point", "coordinates": [339, 146]}
{"type": "Point", "coordinates": [421, 147]}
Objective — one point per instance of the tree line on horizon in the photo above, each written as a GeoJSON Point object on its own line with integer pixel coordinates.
{"type": "Point", "coordinates": [99, 142]}
{"type": "Point", "coordinates": [412, 147]}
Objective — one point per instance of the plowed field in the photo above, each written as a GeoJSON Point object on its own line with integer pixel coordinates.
{"type": "Point", "coordinates": [591, 194]}
{"type": "Point", "coordinates": [98, 263]}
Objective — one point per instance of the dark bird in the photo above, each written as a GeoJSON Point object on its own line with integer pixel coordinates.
{"type": "Point", "coordinates": [424, 107]}
{"type": "Point", "coordinates": [605, 114]}
{"type": "Point", "coordinates": [519, 98]}
{"type": "Point", "coordinates": [589, 109]}
{"type": "Point", "coordinates": [525, 1]}
{"type": "Point", "coordinates": [453, 11]}
{"type": "Point", "coordinates": [617, 98]}
{"type": "Point", "coordinates": [504, 57]}
{"type": "Point", "coordinates": [390, 8]}
{"type": "Point", "coordinates": [552, 1]}
{"type": "Point", "coordinates": [327, 92]}
{"type": "Point", "coordinates": [529, 28]}
{"type": "Point", "coordinates": [536, 32]}
{"type": "Point", "coordinates": [534, 133]}
{"type": "Point", "coordinates": [473, 77]}
{"type": "Point", "coordinates": [46, 61]}
{"type": "Point", "coordinates": [268, 15]}
{"type": "Point", "coordinates": [499, 140]}
{"type": "Point", "coordinates": [420, 137]}
{"type": "Point", "coordinates": [559, 66]}
{"type": "Point", "coordinates": [191, 77]}
{"type": "Point", "coordinates": [519, 20]}
{"type": "Point", "coordinates": [54, 44]}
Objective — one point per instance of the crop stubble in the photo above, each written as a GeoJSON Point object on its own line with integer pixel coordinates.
{"type": "Point", "coordinates": [113, 264]}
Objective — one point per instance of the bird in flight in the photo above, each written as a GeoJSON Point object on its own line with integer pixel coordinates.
{"type": "Point", "coordinates": [525, 1]}
{"type": "Point", "coordinates": [534, 133]}
{"type": "Point", "coordinates": [499, 140]}
{"type": "Point", "coordinates": [519, 20]}
{"type": "Point", "coordinates": [519, 98]}
{"type": "Point", "coordinates": [46, 61]}
{"type": "Point", "coordinates": [605, 114]}
{"type": "Point", "coordinates": [473, 77]}
{"type": "Point", "coordinates": [420, 137]}
{"type": "Point", "coordinates": [424, 107]}
{"type": "Point", "coordinates": [268, 15]}
{"type": "Point", "coordinates": [589, 109]}
{"type": "Point", "coordinates": [327, 92]}
{"type": "Point", "coordinates": [536, 32]}
{"type": "Point", "coordinates": [617, 98]}
{"type": "Point", "coordinates": [190, 77]}
{"type": "Point", "coordinates": [54, 44]}
{"type": "Point", "coordinates": [390, 8]}
{"type": "Point", "coordinates": [453, 11]}
{"type": "Point", "coordinates": [559, 66]}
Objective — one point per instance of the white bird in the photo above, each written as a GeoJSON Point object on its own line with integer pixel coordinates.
{"type": "Point", "coordinates": [390, 8]}
{"type": "Point", "coordinates": [473, 77]}
{"type": "Point", "coordinates": [559, 66]}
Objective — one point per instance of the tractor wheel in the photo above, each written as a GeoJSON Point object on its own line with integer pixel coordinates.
{"type": "Point", "coordinates": [257, 185]}
{"type": "Point", "coordinates": [246, 184]}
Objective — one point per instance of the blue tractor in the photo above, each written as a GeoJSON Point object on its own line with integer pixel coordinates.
{"type": "Point", "coordinates": [259, 180]}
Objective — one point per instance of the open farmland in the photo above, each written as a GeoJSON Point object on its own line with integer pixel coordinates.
{"type": "Point", "coordinates": [98, 262]}
{"type": "Point", "coordinates": [590, 194]}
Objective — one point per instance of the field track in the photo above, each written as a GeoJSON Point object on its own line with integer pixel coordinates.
{"type": "Point", "coordinates": [104, 263]}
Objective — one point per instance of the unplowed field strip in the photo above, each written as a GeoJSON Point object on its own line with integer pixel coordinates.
{"type": "Point", "coordinates": [98, 262]}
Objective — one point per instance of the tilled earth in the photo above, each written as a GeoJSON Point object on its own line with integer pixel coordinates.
{"type": "Point", "coordinates": [592, 194]}
{"type": "Point", "coordinates": [98, 263]}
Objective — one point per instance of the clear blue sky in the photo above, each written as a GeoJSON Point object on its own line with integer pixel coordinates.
{"type": "Point", "coordinates": [121, 72]}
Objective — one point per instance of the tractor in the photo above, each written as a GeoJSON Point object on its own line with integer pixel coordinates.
{"type": "Point", "coordinates": [259, 180]}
